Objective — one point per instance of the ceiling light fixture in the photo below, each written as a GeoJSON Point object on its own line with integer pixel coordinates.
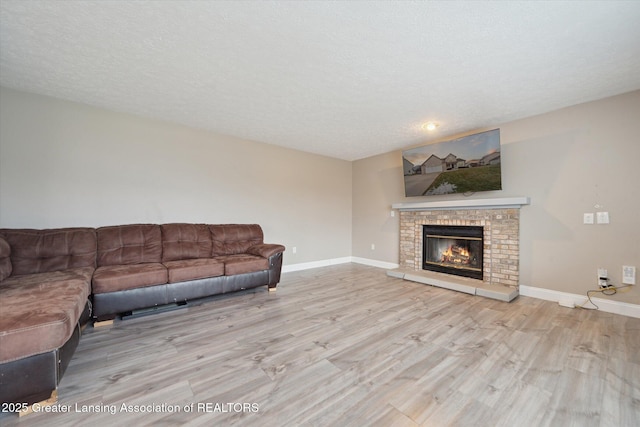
{"type": "Point", "coordinates": [430, 126]}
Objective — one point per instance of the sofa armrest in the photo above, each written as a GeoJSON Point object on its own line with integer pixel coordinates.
{"type": "Point", "coordinates": [265, 250]}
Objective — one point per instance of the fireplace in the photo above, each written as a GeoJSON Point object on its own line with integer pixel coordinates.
{"type": "Point", "coordinates": [453, 249]}
{"type": "Point", "coordinates": [499, 220]}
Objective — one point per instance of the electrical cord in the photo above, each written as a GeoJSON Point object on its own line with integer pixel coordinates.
{"type": "Point", "coordinates": [609, 290]}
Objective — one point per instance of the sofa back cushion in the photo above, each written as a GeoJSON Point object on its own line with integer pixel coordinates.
{"type": "Point", "coordinates": [129, 244]}
{"type": "Point", "coordinates": [41, 251]}
{"type": "Point", "coordinates": [231, 239]}
{"type": "Point", "coordinates": [5, 259]}
{"type": "Point", "coordinates": [185, 241]}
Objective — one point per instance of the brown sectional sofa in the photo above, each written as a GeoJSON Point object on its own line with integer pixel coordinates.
{"type": "Point", "coordinates": [52, 282]}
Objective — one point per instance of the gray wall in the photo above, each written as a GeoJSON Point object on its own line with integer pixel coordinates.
{"type": "Point", "coordinates": [66, 164]}
{"type": "Point", "coordinates": [567, 161]}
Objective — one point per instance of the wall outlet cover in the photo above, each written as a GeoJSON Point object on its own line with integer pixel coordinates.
{"type": "Point", "coordinates": [602, 278]}
{"type": "Point", "coordinates": [602, 217]}
{"type": "Point", "coordinates": [628, 275]}
{"type": "Point", "coordinates": [588, 218]}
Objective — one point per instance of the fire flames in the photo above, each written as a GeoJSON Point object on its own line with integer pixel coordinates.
{"type": "Point", "coordinates": [456, 255]}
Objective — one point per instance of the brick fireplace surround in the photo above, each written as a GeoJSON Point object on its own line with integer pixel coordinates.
{"type": "Point", "coordinates": [500, 219]}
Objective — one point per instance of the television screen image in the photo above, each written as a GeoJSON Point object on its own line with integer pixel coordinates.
{"type": "Point", "coordinates": [464, 165]}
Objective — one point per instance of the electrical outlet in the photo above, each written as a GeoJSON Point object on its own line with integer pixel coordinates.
{"type": "Point", "coordinates": [603, 278]}
{"type": "Point", "coordinates": [629, 274]}
{"type": "Point", "coordinates": [373, 247]}
{"type": "Point", "coordinates": [294, 249]}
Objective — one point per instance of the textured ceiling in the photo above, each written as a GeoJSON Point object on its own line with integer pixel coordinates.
{"type": "Point", "coordinates": [342, 79]}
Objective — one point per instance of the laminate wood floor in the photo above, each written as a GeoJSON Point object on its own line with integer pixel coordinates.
{"type": "Point", "coordinates": [348, 346]}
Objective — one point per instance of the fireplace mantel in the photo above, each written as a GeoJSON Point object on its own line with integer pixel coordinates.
{"type": "Point", "coordinates": [500, 203]}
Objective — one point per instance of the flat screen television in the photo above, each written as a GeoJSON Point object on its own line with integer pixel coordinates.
{"type": "Point", "coordinates": [464, 165]}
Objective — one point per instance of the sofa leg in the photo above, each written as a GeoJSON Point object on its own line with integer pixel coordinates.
{"type": "Point", "coordinates": [272, 288]}
{"type": "Point", "coordinates": [47, 402]}
{"type": "Point", "coordinates": [106, 320]}
{"type": "Point", "coordinates": [100, 323]}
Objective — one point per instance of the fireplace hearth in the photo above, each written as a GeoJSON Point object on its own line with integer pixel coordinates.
{"type": "Point", "coordinates": [451, 249]}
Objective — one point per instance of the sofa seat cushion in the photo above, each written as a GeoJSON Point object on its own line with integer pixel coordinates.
{"type": "Point", "coordinates": [82, 273]}
{"type": "Point", "coordinates": [192, 269]}
{"type": "Point", "coordinates": [243, 263]}
{"type": "Point", "coordinates": [112, 278]}
{"type": "Point", "coordinates": [40, 311]}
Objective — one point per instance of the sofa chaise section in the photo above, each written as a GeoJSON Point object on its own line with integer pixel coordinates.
{"type": "Point", "coordinates": [53, 281]}
{"type": "Point", "coordinates": [45, 283]}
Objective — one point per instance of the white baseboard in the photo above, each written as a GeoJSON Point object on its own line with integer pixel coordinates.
{"type": "Point", "coordinates": [315, 264]}
{"type": "Point", "coordinates": [375, 263]}
{"type": "Point", "coordinates": [609, 306]}
{"type": "Point", "coordinates": [335, 261]}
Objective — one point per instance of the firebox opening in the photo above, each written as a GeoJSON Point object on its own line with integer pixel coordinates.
{"type": "Point", "coordinates": [453, 249]}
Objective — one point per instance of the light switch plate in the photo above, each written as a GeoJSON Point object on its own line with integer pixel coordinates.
{"type": "Point", "coordinates": [628, 275]}
{"type": "Point", "coordinates": [602, 217]}
{"type": "Point", "coordinates": [588, 218]}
